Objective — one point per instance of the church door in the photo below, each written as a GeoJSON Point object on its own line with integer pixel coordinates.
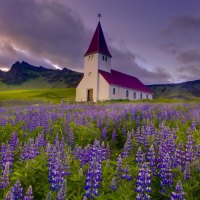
{"type": "Point", "coordinates": [90, 95]}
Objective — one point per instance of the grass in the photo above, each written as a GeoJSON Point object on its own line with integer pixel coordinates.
{"type": "Point", "coordinates": [18, 97]}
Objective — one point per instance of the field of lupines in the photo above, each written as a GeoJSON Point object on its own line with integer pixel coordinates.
{"type": "Point", "coordinates": [114, 151]}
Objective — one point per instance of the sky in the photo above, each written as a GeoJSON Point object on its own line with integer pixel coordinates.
{"type": "Point", "coordinates": [157, 41]}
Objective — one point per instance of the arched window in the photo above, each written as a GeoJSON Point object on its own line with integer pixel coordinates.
{"type": "Point", "coordinates": [105, 58]}
{"type": "Point", "coordinates": [102, 57]}
{"type": "Point", "coordinates": [141, 96]}
{"type": "Point", "coordinates": [147, 96]}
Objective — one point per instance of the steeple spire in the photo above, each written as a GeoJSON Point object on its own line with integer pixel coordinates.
{"type": "Point", "coordinates": [98, 43]}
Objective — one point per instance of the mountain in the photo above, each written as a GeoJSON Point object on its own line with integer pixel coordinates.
{"type": "Point", "coordinates": [25, 76]}
{"type": "Point", "coordinates": [185, 90]}
{"type": "Point", "coordinates": [22, 75]}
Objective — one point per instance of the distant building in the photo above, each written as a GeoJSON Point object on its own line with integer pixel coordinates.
{"type": "Point", "coordinates": [100, 82]}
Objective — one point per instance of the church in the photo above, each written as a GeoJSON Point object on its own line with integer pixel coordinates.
{"type": "Point", "coordinates": [100, 82]}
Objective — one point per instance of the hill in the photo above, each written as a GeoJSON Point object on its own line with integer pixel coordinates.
{"type": "Point", "coordinates": [185, 90]}
{"type": "Point", "coordinates": [25, 76]}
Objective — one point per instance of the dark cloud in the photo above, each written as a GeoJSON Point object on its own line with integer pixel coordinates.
{"type": "Point", "coordinates": [46, 29]}
{"type": "Point", "coordinates": [183, 23]}
{"type": "Point", "coordinates": [189, 56]}
{"type": "Point", "coordinates": [169, 47]}
{"type": "Point", "coordinates": [189, 72]}
{"type": "Point", "coordinates": [45, 32]}
{"type": "Point", "coordinates": [125, 61]}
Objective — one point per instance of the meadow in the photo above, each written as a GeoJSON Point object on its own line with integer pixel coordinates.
{"type": "Point", "coordinates": [100, 151]}
{"type": "Point", "coordinates": [34, 96]}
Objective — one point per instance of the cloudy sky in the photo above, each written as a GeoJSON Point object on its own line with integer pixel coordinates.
{"type": "Point", "coordinates": [155, 40]}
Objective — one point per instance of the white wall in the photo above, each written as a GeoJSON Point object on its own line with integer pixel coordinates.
{"type": "Point", "coordinates": [92, 63]}
{"type": "Point", "coordinates": [103, 89]}
{"type": "Point", "coordinates": [120, 93]}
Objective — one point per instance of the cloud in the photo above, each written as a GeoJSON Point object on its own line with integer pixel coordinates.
{"type": "Point", "coordinates": [45, 29]}
{"type": "Point", "coordinates": [189, 56]}
{"type": "Point", "coordinates": [184, 23]}
{"type": "Point", "coordinates": [190, 72]}
{"type": "Point", "coordinates": [46, 32]}
{"type": "Point", "coordinates": [125, 61]}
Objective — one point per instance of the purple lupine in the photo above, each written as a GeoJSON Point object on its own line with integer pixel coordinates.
{"type": "Point", "coordinates": [17, 191]}
{"type": "Point", "coordinates": [29, 150]}
{"type": "Point", "coordinates": [126, 174]}
{"type": "Point", "coordinates": [139, 157]}
{"type": "Point", "coordinates": [166, 173]}
{"type": "Point", "coordinates": [104, 133]}
{"type": "Point", "coordinates": [179, 193]}
{"type": "Point", "coordinates": [187, 171]}
{"type": "Point", "coordinates": [10, 196]}
{"type": "Point", "coordinates": [70, 137]}
{"type": "Point", "coordinates": [128, 146]}
{"type": "Point", "coordinates": [40, 141]}
{"type": "Point", "coordinates": [93, 178]}
{"type": "Point", "coordinates": [14, 141]}
{"type": "Point", "coordinates": [58, 166]}
{"type": "Point", "coordinates": [143, 183]}
{"type": "Point", "coordinates": [151, 158]}
{"type": "Point", "coordinates": [29, 194]}
{"type": "Point", "coordinates": [113, 135]}
{"type": "Point", "coordinates": [7, 155]}
{"type": "Point", "coordinates": [113, 185]}
{"type": "Point", "coordinates": [62, 192]}
{"type": "Point", "coordinates": [5, 176]}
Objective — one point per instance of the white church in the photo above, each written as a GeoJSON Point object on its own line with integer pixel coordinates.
{"type": "Point", "coordinates": [100, 82]}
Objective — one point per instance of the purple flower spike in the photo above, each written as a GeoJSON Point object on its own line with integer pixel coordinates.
{"type": "Point", "coordinates": [113, 185]}
{"type": "Point", "coordinates": [29, 194]}
{"type": "Point", "coordinates": [143, 183]}
{"type": "Point", "coordinates": [178, 194]}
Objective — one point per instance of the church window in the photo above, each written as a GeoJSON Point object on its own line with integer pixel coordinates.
{"type": "Point", "coordinates": [102, 57]}
{"type": "Point", "coordinates": [105, 58]}
{"type": "Point", "coordinates": [134, 95]}
{"type": "Point", "coordinates": [88, 57]}
{"type": "Point", "coordinates": [147, 96]}
{"type": "Point", "coordinates": [113, 90]}
{"type": "Point", "coordinates": [141, 96]}
{"type": "Point", "coordinates": [127, 93]}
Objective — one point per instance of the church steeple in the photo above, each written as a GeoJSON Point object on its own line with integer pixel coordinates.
{"type": "Point", "coordinates": [98, 43]}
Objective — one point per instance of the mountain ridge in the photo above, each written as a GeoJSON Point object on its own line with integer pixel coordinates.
{"type": "Point", "coordinates": [23, 75]}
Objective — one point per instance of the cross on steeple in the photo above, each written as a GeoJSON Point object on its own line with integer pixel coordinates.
{"type": "Point", "coordinates": [99, 15]}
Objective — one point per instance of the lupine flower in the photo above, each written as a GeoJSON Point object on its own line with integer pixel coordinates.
{"type": "Point", "coordinates": [139, 157]}
{"type": "Point", "coordinates": [166, 172]}
{"type": "Point", "coordinates": [62, 192]}
{"type": "Point", "coordinates": [151, 158]}
{"type": "Point", "coordinates": [17, 190]}
{"type": "Point", "coordinates": [10, 196]}
{"type": "Point", "coordinates": [113, 185]}
{"type": "Point", "coordinates": [70, 137]}
{"type": "Point", "coordinates": [14, 141]}
{"type": "Point", "coordinates": [104, 133]}
{"type": "Point", "coordinates": [5, 176]}
{"type": "Point", "coordinates": [178, 194]}
{"type": "Point", "coordinates": [187, 171]}
{"type": "Point", "coordinates": [29, 150]}
{"type": "Point", "coordinates": [93, 179]}
{"type": "Point", "coordinates": [125, 174]}
{"type": "Point", "coordinates": [143, 183]}
{"type": "Point", "coordinates": [114, 135]}
{"type": "Point", "coordinates": [29, 194]}
{"type": "Point", "coordinates": [128, 146]}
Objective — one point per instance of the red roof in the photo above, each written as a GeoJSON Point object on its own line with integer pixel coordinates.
{"type": "Point", "coordinates": [98, 43]}
{"type": "Point", "coordinates": [124, 80]}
